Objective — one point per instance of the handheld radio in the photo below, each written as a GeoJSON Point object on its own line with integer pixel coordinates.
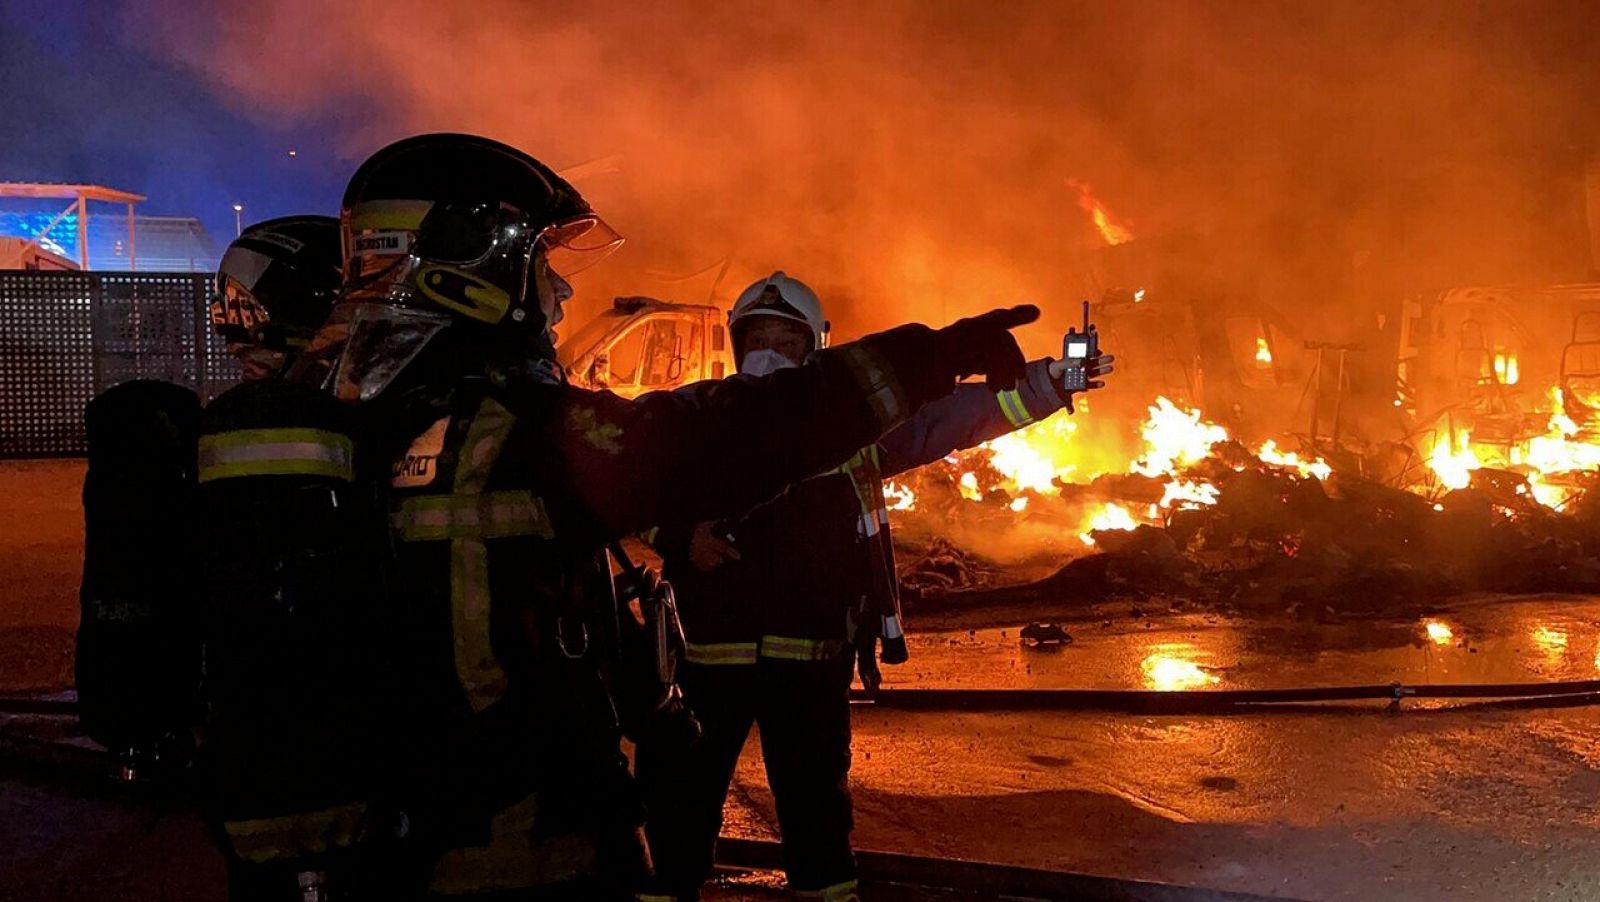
{"type": "Point", "coordinates": [1079, 349]}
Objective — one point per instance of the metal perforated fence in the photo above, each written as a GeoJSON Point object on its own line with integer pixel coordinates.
{"type": "Point", "coordinates": [67, 336]}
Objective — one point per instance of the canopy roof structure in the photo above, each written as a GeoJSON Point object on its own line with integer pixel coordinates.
{"type": "Point", "coordinates": [79, 195]}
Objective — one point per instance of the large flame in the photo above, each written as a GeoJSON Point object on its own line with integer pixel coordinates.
{"type": "Point", "coordinates": [1027, 470]}
{"type": "Point", "coordinates": [1035, 457]}
{"type": "Point", "coordinates": [1040, 460]}
{"type": "Point", "coordinates": [1453, 461]}
{"type": "Point", "coordinates": [1562, 449]}
{"type": "Point", "coordinates": [1112, 229]}
{"type": "Point", "coordinates": [1106, 518]}
{"type": "Point", "coordinates": [1175, 437]}
{"type": "Point", "coordinates": [1316, 466]}
{"type": "Point", "coordinates": [1182, 493]}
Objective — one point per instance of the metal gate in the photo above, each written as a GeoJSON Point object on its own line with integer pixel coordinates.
{"type": "Point", "coordinates": [67, 336]}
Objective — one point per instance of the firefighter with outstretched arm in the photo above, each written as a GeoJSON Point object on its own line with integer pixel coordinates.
{"type": "Point", "coordinates": [503, 486]}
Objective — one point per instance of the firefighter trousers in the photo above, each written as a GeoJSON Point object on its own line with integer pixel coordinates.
{"type": "Point", "coordinates": [802, 710]}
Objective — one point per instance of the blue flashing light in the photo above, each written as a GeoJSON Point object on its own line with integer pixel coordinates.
{"type": "Point", "coordinates": [63, 235]}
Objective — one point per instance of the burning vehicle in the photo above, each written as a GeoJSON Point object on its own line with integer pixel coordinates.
{"type": "Point", "coordinates": [1247, 456]}
{"type": "Point", "coordinates": [642, 344]}
{"type": "Point", "coordinates": [1250, 451]}
{"type": "Point", "coordinates": [1482, 371]}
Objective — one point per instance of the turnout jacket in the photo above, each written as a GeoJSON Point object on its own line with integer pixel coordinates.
{"type": "Point", "coordinates": [504, 491]}
{"type": "Point", "coordinates": [811, 556]}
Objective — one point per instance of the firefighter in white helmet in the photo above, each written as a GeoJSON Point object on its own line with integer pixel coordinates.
{"type": "Point", "coordinates": [779, 605]}
{"type": "Point", "coordinates": [781, 298]}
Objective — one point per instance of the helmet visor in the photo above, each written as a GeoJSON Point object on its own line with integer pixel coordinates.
{"type": "Point", "coordinates": [364, 346]}
{"type": "Point", "coordinates": [381, 342]}
{"type": "Point", "coordinates": [577, 244]}
{"type": "Point", "coordinates": [467, 235]}
{"type": "Point", "coordinates": [459, 233]}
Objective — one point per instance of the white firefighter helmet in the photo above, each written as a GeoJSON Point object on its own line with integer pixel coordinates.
{"type": "Point", "coordinates": [781, 296]}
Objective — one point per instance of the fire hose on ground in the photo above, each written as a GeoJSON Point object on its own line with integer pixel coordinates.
{"type": "Point", "coordinates": [1230, 701]}
{"type": "Point", "coordinates": [1561, 694]}
{"type": "Point", "coordinates": [1570, 693]}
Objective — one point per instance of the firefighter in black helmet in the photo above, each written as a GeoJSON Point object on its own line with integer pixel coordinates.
{"type": "Point", "coordinates": [506, 485]}
{"type": "Point", "coordinates": [289, 736]}
{"type": "Point", "coordinates": [274, 287]}
{"type": "Point", "coordinates": [138, 660]}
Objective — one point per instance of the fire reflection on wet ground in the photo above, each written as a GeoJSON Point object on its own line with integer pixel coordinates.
{"type": "Point", "coordinates": [1170, 667]}
{"type": "Point", "coordinates": [1502, 642]}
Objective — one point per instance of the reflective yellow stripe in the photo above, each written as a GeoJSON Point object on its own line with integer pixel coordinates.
{"type": "Point", "coordinates": [848, 891]}
{"type": "Point", "coordinates": [650, 897]}
{"type": "Point", "coordinates": [785, 648]}
{"type": "Point", "coordinates": [276, 452]}
{"type": "Point", "coordinates": [864, 471]}
{"type": "Point", "coordinates": [490, 515]}
{"type": "Point", "coordinates": [294, 835]}
{"type": "Point", "coordinates": [388, 214]}
{"type": "Point", "coordinates": [1016, 411]}
{"type": "Point", "coordinates": [883, 393]}
{"type": "Point", "coordinates": [477, 669]}
{"type": "Point", "coordinates": [513, 859]}
{"type": "Point", "coordinates": [721, 653]}
{"type": "Point", "coordinates": [649, 535]}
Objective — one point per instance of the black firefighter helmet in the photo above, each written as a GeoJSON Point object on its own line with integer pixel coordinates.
{"type": "Point", "coordinates": [276, 283]}
{"type": "Point", "coordinates": [450, 230]}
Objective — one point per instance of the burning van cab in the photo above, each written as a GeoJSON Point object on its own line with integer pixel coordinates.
{"type": "Point", "coordinates": [642, 344]}
{"type": "Point", "coordinates": [1487, 357]}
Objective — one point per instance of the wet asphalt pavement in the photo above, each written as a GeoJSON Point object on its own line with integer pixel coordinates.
{"type": "Point", "coordinates": [1347, 803]}
{"type": "Point", "coordinates": [1341, 804]}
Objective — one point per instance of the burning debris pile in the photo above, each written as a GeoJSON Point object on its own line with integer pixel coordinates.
{"type": "Point", "coordinates": [1192, 513]}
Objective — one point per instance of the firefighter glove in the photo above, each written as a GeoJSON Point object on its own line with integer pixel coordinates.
{"type": "Point", "coordinates": [984, 345]}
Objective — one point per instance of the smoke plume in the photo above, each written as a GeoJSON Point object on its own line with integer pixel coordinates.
{"type": "Point", "coordinates": [924, 160]}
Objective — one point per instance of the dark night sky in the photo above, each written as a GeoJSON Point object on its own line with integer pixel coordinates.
{"type": "Point", "coordinates": [78, 103]}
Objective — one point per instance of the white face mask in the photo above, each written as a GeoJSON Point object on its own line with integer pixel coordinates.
{"type": "Point", "coordinates": [764, 361]}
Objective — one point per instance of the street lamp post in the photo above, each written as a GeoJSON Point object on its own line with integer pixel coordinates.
{"type": "Point", "coordinates": [238, 220]}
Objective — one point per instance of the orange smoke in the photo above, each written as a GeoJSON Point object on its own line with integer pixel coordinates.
{"type": "Point", "coordinates": [907, 157]}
